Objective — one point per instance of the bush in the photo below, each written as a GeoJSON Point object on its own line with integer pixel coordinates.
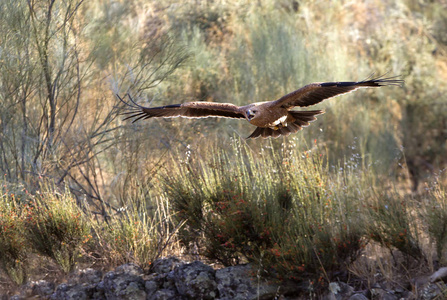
{"type": "Point", "coordinates": [138, 232]}
{"type": "Point", "coordinates": [434, 213]}
{"type": "Point", "coordinates": [13, 247]}
{"type": "Point", "coordinates": [276, 210]}
{"type": "Point", "coordinates": [392, 224]}
{"type": "Point", "coordinates": [56, 228]}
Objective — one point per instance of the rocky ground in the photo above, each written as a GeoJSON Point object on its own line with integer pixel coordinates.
{"type": "Point", "coordinates": [172, 278]}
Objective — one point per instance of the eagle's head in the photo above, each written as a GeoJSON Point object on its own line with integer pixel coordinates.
{"type": "Point", "coordinates": [251, 113]}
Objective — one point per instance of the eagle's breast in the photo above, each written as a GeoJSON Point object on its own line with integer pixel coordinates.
{"type": "Point", "coordinates": [270, 117]}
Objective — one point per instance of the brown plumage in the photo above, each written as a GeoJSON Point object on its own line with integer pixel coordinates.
{"type": "Point", "coordinates": [272, 118]}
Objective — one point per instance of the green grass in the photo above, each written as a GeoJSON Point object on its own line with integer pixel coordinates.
{"type": "Point", "coordinates": [50, 224]}
{"type": "Point", "coordinates": [140, 231]}
{"type": "Point", "coordinates": [434, 212]}
{"type": "Point", "coordinates": [284, 209]}
{"type": "Point", "coordinates": [56, 227]}
{"type": "Point", "coordinates": [294, 215]}
{"type": "Point", "coordinates": [392, 224]}
{"type": "Point", "coordinates": [13, 245]}
{"type": "Point", "coordinates": [148, 189]}
{"type": "Point", "coordinates": [279, 209]}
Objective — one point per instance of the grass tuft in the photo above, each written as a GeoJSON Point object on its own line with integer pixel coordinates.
{"type": "Point", "coordinates": [277, 209]}
{"type": "Point", "coordinates": [434, 212]}
{"type": "Point", "coordinates": [139, 231]}
{"type": "Point", "coordinates": [13, 245]}
{"type": "Point", "coordinates": [391, 223]}
{"type": "Point", "coordinates": [55, 227]}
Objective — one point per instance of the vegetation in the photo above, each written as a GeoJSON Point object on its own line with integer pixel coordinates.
{"type": "Point", "coordinates": [12, 243]}
{"type": "Point", "coordinates": [291, 221]}
{"type": "Point", "coordinates": [82, 187]}
{"type": "Point", "coordinates": [55, 228]}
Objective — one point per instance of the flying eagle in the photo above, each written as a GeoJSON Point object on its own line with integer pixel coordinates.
{"type": "Point", "coordinates": [272, 118]}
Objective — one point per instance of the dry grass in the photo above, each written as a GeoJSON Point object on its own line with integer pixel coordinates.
{"type": "Point", "coordinates": [384, 149]}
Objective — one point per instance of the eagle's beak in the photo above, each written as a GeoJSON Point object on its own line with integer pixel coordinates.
{"type": "Point", "coordinates": [250, 115]}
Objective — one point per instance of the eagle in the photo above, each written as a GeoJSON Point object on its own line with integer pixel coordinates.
{"type": "Point", "coordinates": [271, 118]}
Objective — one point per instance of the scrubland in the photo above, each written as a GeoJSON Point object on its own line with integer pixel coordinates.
{"type": "Point", "coordinates": [360, 195]}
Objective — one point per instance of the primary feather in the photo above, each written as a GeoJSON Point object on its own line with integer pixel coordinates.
{"type": "Point", "coordinates": [314, 93]}
{"type": "Point", "coordinates": [272, 118]}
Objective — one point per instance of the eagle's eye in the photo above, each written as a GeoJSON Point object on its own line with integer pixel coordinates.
{"type": "Point", "coordinates": [251, 114]}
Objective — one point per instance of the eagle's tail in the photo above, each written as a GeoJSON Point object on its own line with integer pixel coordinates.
{"type": "Point", "coordinates": [301, 119]}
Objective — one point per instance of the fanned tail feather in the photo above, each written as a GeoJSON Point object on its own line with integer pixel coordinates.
{"type": "Point", "coordinates": [302, 119]}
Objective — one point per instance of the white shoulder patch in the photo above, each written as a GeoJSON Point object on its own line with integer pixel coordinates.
{"type": "Point", "coordinates": [281, 120]}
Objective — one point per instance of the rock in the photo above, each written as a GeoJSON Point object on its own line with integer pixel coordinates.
{"type": "Point", "coordinates": [408, 296]}
{"type": "Point", "coordinates": [40, 288]}
{"type": "Point", "coordinates": [154, 290]}
{"type": "Point", "coordinates": [88, 276]}
{"type": "Point", "coordinates": [166, 265]}
{"type": "Point", "coordinates": [358, 297]}
{"type": "Point", "coordinates": [151, 288]}
{"type": "Point", "coordinates": [238, 283]}
{"type": "Point", "coordinates": [74, 291]}
{"type": "Point", "coordinates": [235, 283]}
{"type": "Point", "coordinates": [420, 281]}
{"type": "Point", "coordinates": [382, 294]}
{"type": "Point", "coordinates": [196, 281]}
{"type": "Point", "coordinates": [167, 280]}
{"type": "Point", "coordinates": [130, 269]}
{"type": "Point", "coordinates": [123, 286]}
{"type": "Point", "coordinates": [432, 291]}
{"type": "Point", "coordinates": [176, 280]}
{"type": "Point", "coordinates": [165, 294]}
{"type": "Point", "coordinates": [339, 291]}
{"type": "Point", "coordinates": [441, 274]}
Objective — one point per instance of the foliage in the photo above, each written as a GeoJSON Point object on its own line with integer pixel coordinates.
{"type": "Point", "coordinates": [13, 245]}
{"type": "Point", "coordinates": [392, 224]}
{"type": "Point", "coordinates": [434, 214]}
{"type": "Point", "coordinates": [40, 82]}
{"type": "Point", "coordinates": [277, 209]}
{"type": "Point", "coordinates": [138, 232]}
{"type": "Point", "coordinates": [62, 62]}
{"type": "Point", "coordinates": [58, 115]}
{"type": "Point", "coordinates": [51, 224]}
{"type": "Point", "coordinates": [267, 50]}
{"type": "Point", "coordinates": [56, 228]}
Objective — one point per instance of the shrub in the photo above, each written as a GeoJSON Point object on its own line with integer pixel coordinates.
{"type": "Point", "coordinates": [392, 224]}
{"type": "Point", "coordinates": [434, 213]}
{"type": "Point", "coordinates": [139, 231]}
{"type": "Point", "coordinates": [56, 228]}
{"type": "Point", "coordinates": [276, 210]}
{"type": "Point", "coordinates": [13, 248]}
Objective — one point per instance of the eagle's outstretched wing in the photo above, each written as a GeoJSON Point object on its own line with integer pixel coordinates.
{"type": "Point", "coordinates": [185, 110]}
{"type": "Point", "coordinates": [273, 118]}
{"type": "Point", "coordinates": [316, 92]}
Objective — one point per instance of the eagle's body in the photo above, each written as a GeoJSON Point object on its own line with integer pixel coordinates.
{"type": "Point", "coordinates": [266, 115]}
{"type": "Point", "coordinates": [272, 118]}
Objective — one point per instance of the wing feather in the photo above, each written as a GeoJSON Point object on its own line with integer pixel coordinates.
{"type": "Point", "coordinates": [185, 110]}
{"type": "Point", "coordinates": [317, 92]}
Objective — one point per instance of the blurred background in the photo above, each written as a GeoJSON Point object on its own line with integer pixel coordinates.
{"type": "Point", "coordinates": [63, 62]}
